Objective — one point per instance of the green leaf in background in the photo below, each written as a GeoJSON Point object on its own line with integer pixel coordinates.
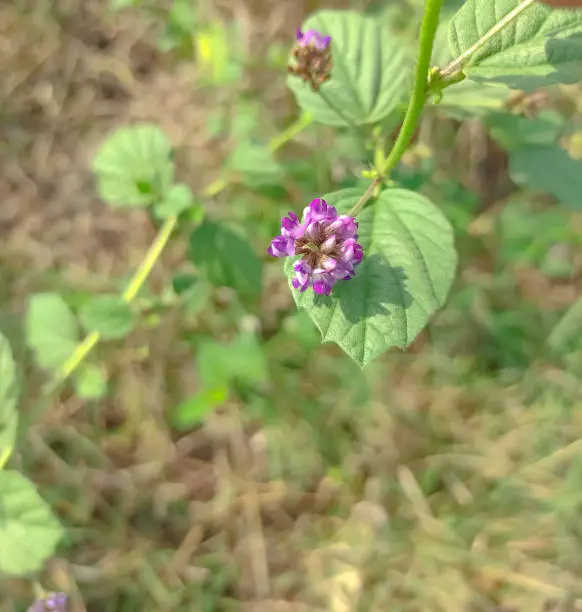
{"type": "Point", "coordinates": [117, 5]}
{"type": "Point", "coordinates": [513, 131]}
{"type": "Point", "coordinates": [134, 166]}
{"type": "Point", "coordinates": [109, 315]}
{"type": "Point", "coordinates": [549, 169]}
{"type": "Point", "coordinates": [178, 199]}
{"type": "Point", "coordinates": [51, 330]}
{"type": "Point", "coordinates": [29, 532]}
{"type": "Point", "coordinates": [219, 366]}
{"type": "Point", "coordinates": [193, 410]}
{"type": "Point", "coordinates": [256, 163]}
{"type": "Point", "coordinates": [226, 258]}
{"type": "Point", "coordinates": [8, 397]}
{"type": "Point", "coordinates": [90, 382]}
{"type": "Point", "coordinates": [539, 47]}
{"type": "Point", "coordinates": [566, 334]}
{"type": "Point", "coordinates": [370, 76]}
{"type": "Point", "coordinates": [408, 267]}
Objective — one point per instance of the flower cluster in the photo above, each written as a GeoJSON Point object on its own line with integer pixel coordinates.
{"type": "Point", "coordinates": [327, 242]}
{"type": "Point", "coordinates": [312, 53]}
{"type": "Point", "coordinates": [55, 602]}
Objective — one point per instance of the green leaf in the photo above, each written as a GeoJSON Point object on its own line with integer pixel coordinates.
{"type": "Point", "coordinates": [226, 258]}
{"type": "Point", "coordinates": [29, 532]}
{"type": "Point", "coordinates": [370, 75]}
{"type": "Point", "coordinates": [539, 47]}
{"type": "Point", "coordinates": [134, 166]}
{"type": "Point", "coordinates": [108, 315]}
{"type": "Point", "coordinates": [407, 271]}
{"type": "Point", "coordinates": [90, 382]}
{"type": "Point", "coordinates": [51, 330]}
{"type": "Point", "coordinates": [513, 131]}
{"type": "Point", "coordinates": [193, 410]}
{"type": "Point", "coordinates": [178, 199]}
{"type": "Point", "coordinates": [256, 163]}
{"type": "Point", "coordinates": [8, 397]}
{"type": "Point", "coordinates": [566, 333]}
{"type": "Point", "coordinates": [549, 169]}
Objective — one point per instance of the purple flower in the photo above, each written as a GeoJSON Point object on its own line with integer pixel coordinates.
{"type": "Point", "coordinates": [313, 38]}
{"type": "Point", "coordinates": [327, 242]}
{"type": "Point", "coordinates": [57, 602]}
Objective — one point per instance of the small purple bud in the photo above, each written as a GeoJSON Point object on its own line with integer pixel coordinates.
{"type": "Point", "coordinates": [313, 38]}
{"type": "Point", "coordinates": [57, 602]}
{"type": "Point", "coordinates": [327, 243]}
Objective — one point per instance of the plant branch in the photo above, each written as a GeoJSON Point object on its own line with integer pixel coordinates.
{"type": "Point", "coordinates": [428, 27]}
{"type": "Point", "coordinates": [136, 283]}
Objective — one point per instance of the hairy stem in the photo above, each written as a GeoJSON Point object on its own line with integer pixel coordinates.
{"type": "Point", "coordinates": [135, 284]}
{"type": "Point", "coordinates": [428, 27]}
{"type": "Point", "coordinates": [458, 64]}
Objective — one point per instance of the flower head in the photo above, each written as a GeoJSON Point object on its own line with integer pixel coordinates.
{"type": "Point", "coordinates": [313, 38]}
{"type": "Point", "coordinates": [312, 53]}
{"type": "Point", "coordinates": [56, 602]}
{"type": "Point", "coordinates": [327, 242]}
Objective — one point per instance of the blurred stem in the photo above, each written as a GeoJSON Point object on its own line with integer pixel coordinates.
{"type": "Point", "coordinates": [428, 27]}
{"type": "Point", "coordinates": [289, 133]}
{"type": "Point", "coordinates": [4, 456]}
{"type": "Point", "coordinates": [135, 284]}
{"type": "Point", "coordinates": [458, 64]}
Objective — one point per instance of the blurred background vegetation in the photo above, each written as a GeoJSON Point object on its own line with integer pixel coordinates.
{"type": "Point", "coordinates": [444, 478]}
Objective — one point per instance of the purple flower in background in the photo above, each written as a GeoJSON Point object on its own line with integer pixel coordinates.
{"type": "Point", "coordinates": [327, 242]}
{"type": "Point", "coordinates": [313, 38]}
{"type": "Point", "coordinates": [312, 53]}
{"type": "Point", "coordinates": [57, 602]}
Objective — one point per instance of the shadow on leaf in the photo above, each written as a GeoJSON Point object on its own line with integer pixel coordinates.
{"type": "Point", "coordinates": [565, 55]}
{"type": "Point", "coordinates": [375, 287]}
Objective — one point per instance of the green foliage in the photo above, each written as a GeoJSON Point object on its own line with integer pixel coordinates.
{"type": "Point", "coordinates": [256, 164]}
{"type": "Point", "coordinates": [134, 166]}
{"type": "Point", "coordinates": [29, 532]}
{"type": "Point", "coordinates": [220, 366]}
{"type": "Point", "coordinates": [371, 71]}
{"type": "Point", "coordinates": [548, 169]}
{"type": "Point", "coordinates": [9, 391]}
{"type": "Point", "coordinates": [178, 200]}
{"type": "Point", "coordinates": [408, 268]}
{"type": "Point", "coordinates": [90, 382]}
{"type": "Point", "coordinates": [51, 330]}
{"type": "Point", "coordinates": [225, 258]}
{"type": "Point", "coordinates": [566, 334]}
{"type": "Point", "coordinates": [515, 131]}
{"type": "Point", "coordinates": [108, 315]}
{"type": "Point", "coordinates": [539, 47]}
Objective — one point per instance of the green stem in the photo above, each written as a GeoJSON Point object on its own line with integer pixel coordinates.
{"type": "Point", "coordinates": [289, 133]}
{"type": "Point", "coordinates": [461, 61]}
{"type": "Point", "coordinates": [135, 284]}
{"type": "Point", "coordinates": [430, 20]}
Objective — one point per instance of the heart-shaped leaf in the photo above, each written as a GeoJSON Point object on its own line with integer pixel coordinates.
{"type": "Point", "coordinates": [538, 46]}
{"type": "Point", "coordinates": [29, 532]}
{"type": "Point", "coordinates": [134, 166]}
{"type": "Point", "coordinates": [407, 271]}
{"type": "Point", "coordinates": [370, 75]}
{"type": "Point", "coordinates": [51, 330]}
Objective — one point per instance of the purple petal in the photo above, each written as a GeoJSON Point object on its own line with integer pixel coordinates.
{"type": "Point", "coordinates": [282, 246]}
{"type": "Point", "coordinates": [314, 38]}
{"type": "Point", "coordinates": [322, 287]}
